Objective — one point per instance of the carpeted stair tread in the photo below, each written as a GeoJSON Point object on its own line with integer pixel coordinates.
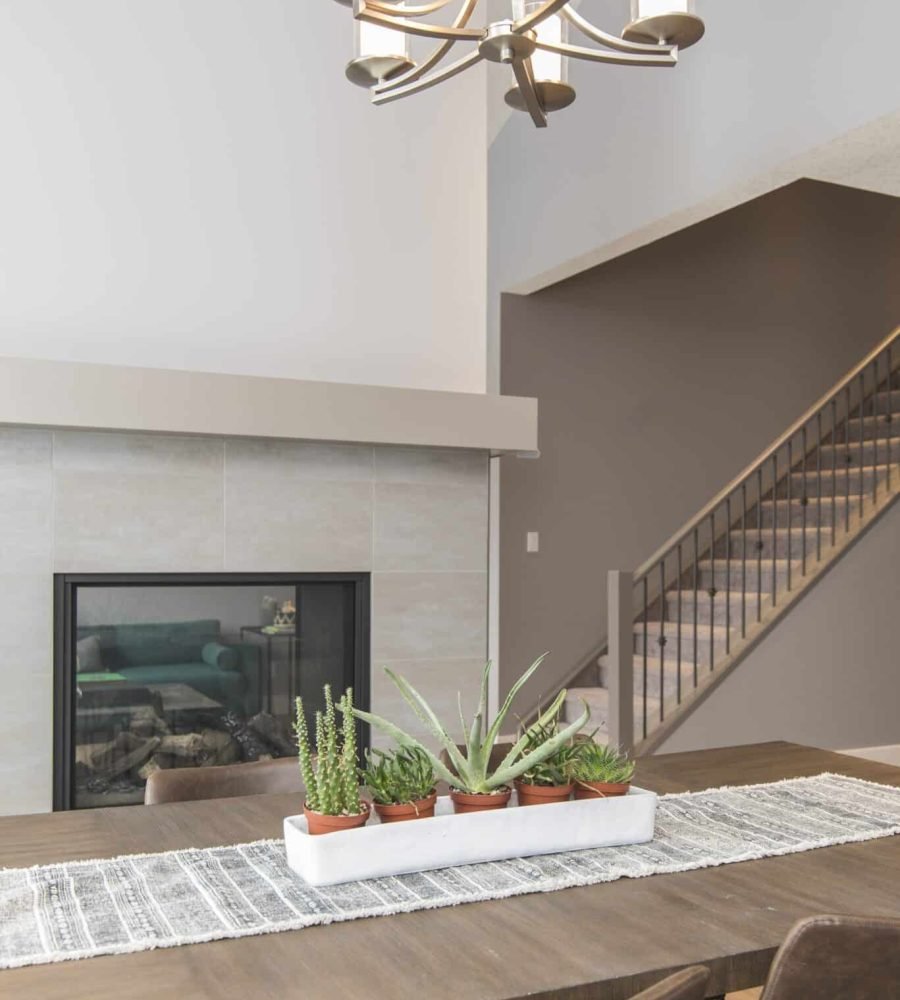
{"type": "Point", "coordinates": [874, 451]}
{"type": "Point", "coordinates": [597, 699]}
{"type": "Point", "coordinates": [724, 607]}
{"type": "Point", "coordinates": [884, 401]}
{"type": "Point", "coordinates": [760, 544]}
{"type": "Point", "coordinates": [792, 510]}
{"type": "Point", "coordinates": [723, 570]}
{"type": "Point", "coordinates": [880, 425]}
{"type": "Point", "coordinates": [808, 480]}
{"type": "Point", "coordinates": [669, 629]}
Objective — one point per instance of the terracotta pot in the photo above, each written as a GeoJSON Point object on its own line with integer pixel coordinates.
{"type": "Point", "coordinates": [421, 809]}
{"type": "Point", "coordinates": [599, 789]}
{"type": "Point", "coordinates": [320, 823]}
{"type": "Point", "coordinates": [465, 803]}
{"type": "Point", "coordinates": [538, 795]}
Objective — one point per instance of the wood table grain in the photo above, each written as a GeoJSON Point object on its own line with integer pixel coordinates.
{"type": "Point", "coordinates": [601, 942]}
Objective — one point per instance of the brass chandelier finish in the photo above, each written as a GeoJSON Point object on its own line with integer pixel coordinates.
{"type": "Point", "coordinates": [652, 40]}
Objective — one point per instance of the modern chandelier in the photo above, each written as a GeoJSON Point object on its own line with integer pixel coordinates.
{"type": "Point", "coordinates": [532, 41]}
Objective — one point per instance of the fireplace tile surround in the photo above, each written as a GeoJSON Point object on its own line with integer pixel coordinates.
{"type": "Point", "coordinates": [88, 502]}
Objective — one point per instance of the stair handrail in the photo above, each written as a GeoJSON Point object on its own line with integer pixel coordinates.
{"type": "Point", "coordinates": [764, 457]}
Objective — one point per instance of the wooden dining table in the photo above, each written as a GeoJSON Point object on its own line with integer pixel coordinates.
{"type": "Point", "coordinates": [599, 942]}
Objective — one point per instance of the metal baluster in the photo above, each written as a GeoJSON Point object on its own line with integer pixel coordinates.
{"type": "Point", "coordinates": [875, 435]}
{"type": "Point", "coordinates": [680, 585]}
{"type": "Point", "coordinates": [728, 577]}
{"type": "Point", "coordinates": [819, 487]}
{"type": "Point", "coordinates": [662, 637]}
{"type": "Point", "coordinates": [805, 502]}
{"type": "Point", "coordinates": [889, 416]}
{"type": "Point", "coordinates": [847, 465]}
{"type": "Point", "coordinates": [775, 525]}
{"type": "Point", "coordinates": [743, 560]}
{"type": "Point", "coordinates": [759, 541]}
{"type": "Point", "coordinates": [862, 464]}
{"type": "Point", "coordinates": [833, 471]}
{"type": "Point", "coordinates": [790, 500]}
{"type": "Point", "coordinates": [696, 601]}
{"type": "Point", "coordinates": [712, 590]}
{"type": "Point", "coordinates": [645, 644]}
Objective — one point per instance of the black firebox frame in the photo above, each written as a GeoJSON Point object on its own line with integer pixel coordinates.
{"type": "Point", "coordinates": [66, 586]}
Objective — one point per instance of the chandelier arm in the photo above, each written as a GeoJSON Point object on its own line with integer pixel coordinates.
{"type": "Point", "coordinates": [525, 81]}
{"type": "Point", "coordinates": [417, 86]}
{"type": "Point", "coordinates": [417, 72]}
{"type": "Point", "coordinates": [363, 11]}
{"type": "Point", "coordinates": [610, 41]}
{"type": "Point", "coordinates": [386, 7]}
{"type": "Point", "coordinates": [531, 21]}
{"type": "Point", "coordinates": [616, 58]}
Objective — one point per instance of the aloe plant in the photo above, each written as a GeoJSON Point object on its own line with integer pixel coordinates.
{"type": "Point", "coordinates": [472, 763]}
{"type": "Point", "coordinates": [556, 769]}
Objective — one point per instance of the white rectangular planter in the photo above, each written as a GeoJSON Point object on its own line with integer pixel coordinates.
{"type": "Point", "coordinates": [380, 849]}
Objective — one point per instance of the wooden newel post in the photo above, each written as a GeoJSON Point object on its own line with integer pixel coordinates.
{"type": "Point", "coordinates": [620, 617]}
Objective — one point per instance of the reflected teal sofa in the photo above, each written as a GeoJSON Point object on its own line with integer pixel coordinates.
{"type": "Point", "coordinates": [188, 652]}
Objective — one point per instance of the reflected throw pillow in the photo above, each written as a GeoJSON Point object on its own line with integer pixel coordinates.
{"type": "Point", "coordinates": [88, 656]}
{"type": "Point", "coordinates": [223, 657]}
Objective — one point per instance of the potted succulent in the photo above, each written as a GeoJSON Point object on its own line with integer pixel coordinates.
{"type": "Point", "coordinates": [600, 770]}
{"type": "Point", "coordinates": [332, 783]}
{"type": "Point", "coordinates": [401, 782]}
{"type": "Point", "coordinates": [551, 779]}
{"type": "Point", "coordinates": [474, 784]}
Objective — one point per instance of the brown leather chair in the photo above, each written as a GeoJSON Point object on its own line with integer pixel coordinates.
{"type": "Point", "coordinates": [262, 777]}
{"type": "Point", "coordinates": [686, 984]}
{"type": "Point", "coordinates": [837, 958]}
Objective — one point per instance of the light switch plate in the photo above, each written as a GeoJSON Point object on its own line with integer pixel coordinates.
{"type": "Point", "coordinates": [532, 542]}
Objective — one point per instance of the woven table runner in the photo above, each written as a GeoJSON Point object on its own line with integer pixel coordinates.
{"type": "Point", "coordinates": [51, 913]}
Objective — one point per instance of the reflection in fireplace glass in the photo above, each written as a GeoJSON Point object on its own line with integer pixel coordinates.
{"type": "Point", "coordinates": [181, 675]}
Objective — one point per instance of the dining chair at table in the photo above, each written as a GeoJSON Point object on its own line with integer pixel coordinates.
{"type": "Point", "coordinates": [261, 777]}
{"type": "Point", "coordinates": [686, 984]}
{"type": "Point", "coordinates": [837, 958]}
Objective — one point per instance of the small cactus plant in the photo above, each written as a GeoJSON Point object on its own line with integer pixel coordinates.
{"type": "Point", "coordinates": [332, 785]}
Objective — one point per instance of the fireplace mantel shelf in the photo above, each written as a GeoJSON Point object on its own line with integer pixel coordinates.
{"type": "Point", "coordinates": [39, 393]}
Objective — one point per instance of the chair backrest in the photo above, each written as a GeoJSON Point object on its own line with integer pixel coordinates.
{"type": "Point", "coordinates": [851, 958]}
{"type": "Point", "coordinates": [686, 984]}
{"type": "Point", "coordinates": [262, 777]}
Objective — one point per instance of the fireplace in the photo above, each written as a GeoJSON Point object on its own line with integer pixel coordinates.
{"type": "Point", "coordinates": [185, 670]}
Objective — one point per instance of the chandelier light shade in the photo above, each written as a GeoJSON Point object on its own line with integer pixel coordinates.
{"type": "Point", "coordinates": [670, 22]}
{"type": "Point", "coordinates": [549, 68]}
{"type": "Point", "coordinates": [380, 54]}
{"type": "Point", "coordinates": [532, 41]}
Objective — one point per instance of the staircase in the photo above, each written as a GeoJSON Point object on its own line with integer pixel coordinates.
{"type": "Point", "coordinates": [695, 609]}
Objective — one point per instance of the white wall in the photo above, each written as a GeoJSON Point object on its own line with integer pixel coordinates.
{"type": "Point", "coordinates": [195, 185]}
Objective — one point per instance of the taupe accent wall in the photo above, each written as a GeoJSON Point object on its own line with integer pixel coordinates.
{"type": "Point", "coordinates": [83, 502]}
{"type": "Point", "coordinates": [663, 373]}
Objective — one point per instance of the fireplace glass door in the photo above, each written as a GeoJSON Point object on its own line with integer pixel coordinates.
{"type": "Point", "coordinates": [192, 672]}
